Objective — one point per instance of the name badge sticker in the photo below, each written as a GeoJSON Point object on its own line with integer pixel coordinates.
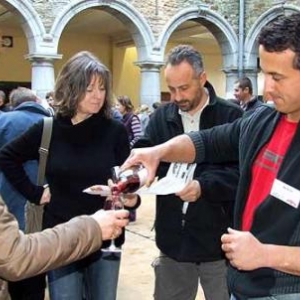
{"type": "Point", "coordinates": [285, 193]}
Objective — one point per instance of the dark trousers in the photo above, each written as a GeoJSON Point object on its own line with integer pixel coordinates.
{"type": "Point", "coordinates": [28, 289]}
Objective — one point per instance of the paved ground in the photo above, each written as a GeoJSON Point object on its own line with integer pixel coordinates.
{"type": "Point", "coordinates": [136, 275]}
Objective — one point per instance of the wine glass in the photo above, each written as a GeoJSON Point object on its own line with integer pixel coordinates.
{"type": "Point", "coordinates": [113, 202]}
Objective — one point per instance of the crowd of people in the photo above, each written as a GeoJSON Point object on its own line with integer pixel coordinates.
{"type": "Point", "coordinates": [233, 228]}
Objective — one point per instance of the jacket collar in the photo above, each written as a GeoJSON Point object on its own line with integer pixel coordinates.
{"type": "Point", "coordinates": [34, 107]}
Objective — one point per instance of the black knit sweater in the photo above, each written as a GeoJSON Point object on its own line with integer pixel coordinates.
{"type": "Point", "coordinates": [80, 155]}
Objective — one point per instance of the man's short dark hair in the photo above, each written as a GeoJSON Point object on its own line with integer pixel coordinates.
{"type": "Point", "coordinates": [186, 53]}
{"type": "Point", "coordinates": [156, 105]}
{"type": "Point", "coordinates": [281, 34]}
{"type": "Point", "coordinates": [245, 82]}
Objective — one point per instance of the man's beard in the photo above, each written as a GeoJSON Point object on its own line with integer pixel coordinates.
{"type": "Point", "coordinates": [184, 105]}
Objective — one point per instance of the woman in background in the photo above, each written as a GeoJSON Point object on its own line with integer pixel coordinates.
{"type": "Point", "coordinates": [130, 120]}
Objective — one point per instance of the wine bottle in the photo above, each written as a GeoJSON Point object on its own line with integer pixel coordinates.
{"type": "Point", "coordinates": [129, 180]}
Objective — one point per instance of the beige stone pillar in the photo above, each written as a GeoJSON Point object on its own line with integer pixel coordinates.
{"type": "Point", "coordinates": [150, 82]}
{"type": "Point", "coordinates": [42, 73]}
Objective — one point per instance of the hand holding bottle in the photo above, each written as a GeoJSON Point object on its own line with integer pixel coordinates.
{"type": "Point", "coordinates": [123, 182]}
{"type": "Point", "coordinates": [148, 157]}
{"type": "Point", "coordinates": [130, 180]}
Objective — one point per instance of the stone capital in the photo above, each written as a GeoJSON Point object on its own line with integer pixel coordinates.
{"type": "Point", "coordinates": [37, 57]}
{"type": "Point", "coordinates": [146, 65]}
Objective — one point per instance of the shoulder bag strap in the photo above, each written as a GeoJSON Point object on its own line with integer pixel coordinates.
{"type": "Point", "coordinates": [43, 150]}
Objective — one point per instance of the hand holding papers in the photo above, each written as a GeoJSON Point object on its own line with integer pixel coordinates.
{"type": "Point", "coordinates": [179, 174]}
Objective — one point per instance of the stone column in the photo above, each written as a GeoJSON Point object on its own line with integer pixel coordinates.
{"type": "Point", "coordinates": [231, 77]}
{"type": "Point", "coordinates": [150, 81]}
{"type": "Point", "coordinates": [42, 73]}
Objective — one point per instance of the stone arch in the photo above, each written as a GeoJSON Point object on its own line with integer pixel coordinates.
{"type": "Point", "coordinates": [251, 46]}
{"type": "Point", "coordinates": [30, 22]}
{"type": "Point", "coordinates": [215, 23]}
{"type": "Point", "coordinates": [124, 11]}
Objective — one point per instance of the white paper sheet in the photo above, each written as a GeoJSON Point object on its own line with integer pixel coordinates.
{"type": "Point", "coordinates": [179, 174]}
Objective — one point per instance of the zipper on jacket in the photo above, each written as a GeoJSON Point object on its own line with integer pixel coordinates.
{"type": "Point", "coordinates": [184, 211]}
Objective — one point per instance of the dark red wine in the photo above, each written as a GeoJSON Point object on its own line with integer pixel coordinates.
{"type": "Point", "coordinates": [129, 186]}
{"type": "Point", "coordinates": [108, 204]}
{"type": "Point", "coordinates": [130, 180]}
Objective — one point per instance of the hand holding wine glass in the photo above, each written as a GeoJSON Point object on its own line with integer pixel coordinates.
{"type": "Point", "coordinates": [123, 182]}
{"type": "Point", "coordinates": [111, 222]}
{"type": "Point", "coordinates": [113, 202]}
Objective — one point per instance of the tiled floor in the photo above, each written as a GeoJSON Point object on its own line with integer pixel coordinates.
{"type": "Point", "coordinates": [136, 275]}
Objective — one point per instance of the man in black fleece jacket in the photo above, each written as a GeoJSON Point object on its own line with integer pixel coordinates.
{"type": "Point", "coordinates": [189, 238]}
